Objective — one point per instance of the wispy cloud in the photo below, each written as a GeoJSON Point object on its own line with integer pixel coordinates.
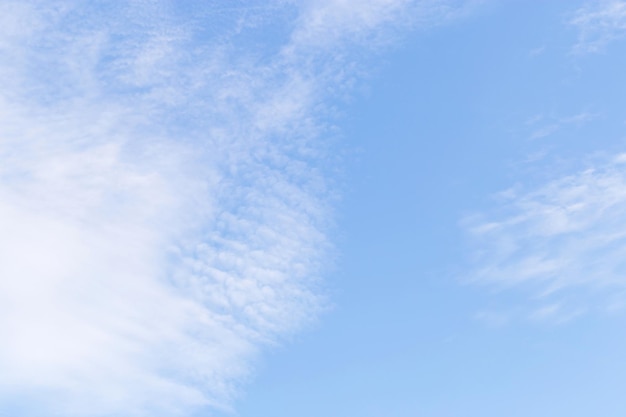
{"type": "Point", "coordinates": [163, 203]}
{"type": "Point", "coordinates": [564, 242]}
{"type": "Point", "coordinates": [555, 313]}
{"type": "Point", "coordinates": [545, 126]}
{"type": "Point", "coordinates": [598, 24]}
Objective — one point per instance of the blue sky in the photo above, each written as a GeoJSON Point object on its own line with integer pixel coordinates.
{"type": "Point", "coordinates": [373, 208]}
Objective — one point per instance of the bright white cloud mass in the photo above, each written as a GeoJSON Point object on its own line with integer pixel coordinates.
{"type": "Point", "coordinates": [163, 199]}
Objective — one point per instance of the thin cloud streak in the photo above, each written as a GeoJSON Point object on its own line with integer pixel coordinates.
{"type": "Point", "coordinates": [163, 205]}
{"type": "Point", "coordinates": [564, 241]}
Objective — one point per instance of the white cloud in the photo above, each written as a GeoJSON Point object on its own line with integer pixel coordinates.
{"type": "Point", "coordinates": [555, 313]}
{"type": "Point", "coordinates": [598, 24]}
{"type": "Point", "coordinates": [325, 22]}
{"type": "Point", "coordinates": [543, 127]}
{"type": "Point", "coordinates": [163, 208]}
{"type": "Point", "coordinates": [564, 241]}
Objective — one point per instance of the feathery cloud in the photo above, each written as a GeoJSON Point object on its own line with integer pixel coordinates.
{"type": "Point", "coordinates": [163, 204]}
{"type": "Point", "coordinates": [564, 241]}
{"type": "Point", "coordinates": [598, 24]}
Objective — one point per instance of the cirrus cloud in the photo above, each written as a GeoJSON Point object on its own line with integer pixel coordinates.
{"type": "Point", "coordinates": [564, 241]}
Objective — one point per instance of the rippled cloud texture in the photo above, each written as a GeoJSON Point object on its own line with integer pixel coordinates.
{"type": "Point", "coordinates": [163, 202]}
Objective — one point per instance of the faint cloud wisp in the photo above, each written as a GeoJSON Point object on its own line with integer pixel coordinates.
{"type": "Point", "coordinates": [599, 23]}
{"type": "Point", "coordinates": [564, 242]}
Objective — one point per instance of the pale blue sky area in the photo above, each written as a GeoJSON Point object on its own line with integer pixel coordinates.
{"type": "Point", "coordinates": [330, 208]}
